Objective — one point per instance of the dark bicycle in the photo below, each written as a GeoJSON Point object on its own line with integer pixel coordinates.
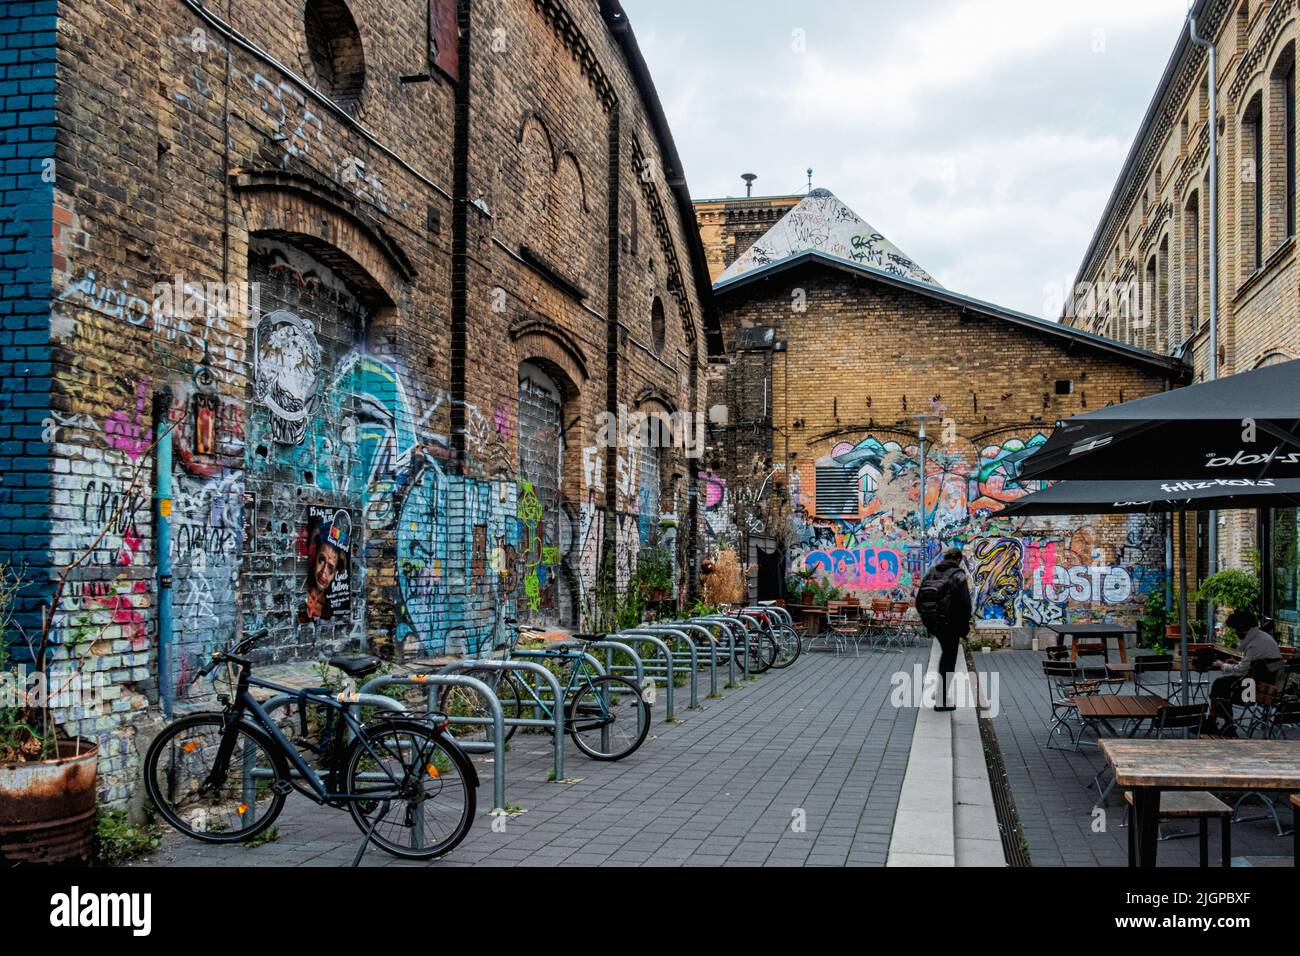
{"type": "Point", "coordinates": [222, 777]}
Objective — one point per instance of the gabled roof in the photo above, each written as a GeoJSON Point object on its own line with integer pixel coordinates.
{"type": "Point", "coordinates": [1171, 367]}
{"type": "Point", "coordinates": [821, 223]}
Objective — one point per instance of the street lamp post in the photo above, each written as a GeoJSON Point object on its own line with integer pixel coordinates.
{"type": "Point", "coordinates": [921, 421]}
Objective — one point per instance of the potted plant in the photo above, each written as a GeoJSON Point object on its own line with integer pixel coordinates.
{"type": "Point", "coordinates": [48, 781]}
{"type": "Point", "coordinates": [1231, 588]}
{"type": "Point", "coordinates": [48, 778]}
{"type": "Point", "coordinates": [807, 588]}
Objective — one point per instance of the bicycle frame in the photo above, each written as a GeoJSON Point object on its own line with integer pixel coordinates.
{"type": "Point", "coordinates": [578, 661]}
{"type": "Point", "coordinates": [319, 793]}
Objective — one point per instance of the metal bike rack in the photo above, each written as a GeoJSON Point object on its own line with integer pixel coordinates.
{"type": "Point", "coordinates": [638, 668]}
{"type": "Point", "coordinates": [730, 621]}
{"type": "Point", "coordinates": [706, 623]}
{"type": "Point", "coordinates": [496, 747]}
{"type": "Point", "coordinates": [712, 649]}
{"type": "Point", "coordinates": [682, 635]}
{"type": "Point", "coordinates": [556, 722]}
{"type": "Point", "coordinates": [668, 664]}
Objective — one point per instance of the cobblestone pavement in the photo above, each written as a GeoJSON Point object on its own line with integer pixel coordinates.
{"type": "Point", "coordinates": [1052, 790]}
{"type": "Point", "coordinates": [719, 787]}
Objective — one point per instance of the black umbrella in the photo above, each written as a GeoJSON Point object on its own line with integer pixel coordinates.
{"type": "Point", "coordinates": [1242, 426]}
{"type": "Point", "coordinates": [1153, 495]}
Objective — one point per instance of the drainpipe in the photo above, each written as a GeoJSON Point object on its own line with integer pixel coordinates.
{"type": "Point", "coordinates": [162, 537]}
{"type": "Point", "coordinates": [1212, 518]}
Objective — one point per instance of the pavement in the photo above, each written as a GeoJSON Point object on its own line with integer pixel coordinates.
{"type": "Point", "coordinates": [801, 767]}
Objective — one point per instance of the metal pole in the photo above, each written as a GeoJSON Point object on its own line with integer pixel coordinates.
{"type": "Point", "coordinates": [925, 549]}
{"type": "Point", "coordinates": [1182, 604]}
{"type": "Point", "coordinates": [1212, 517]}
{"type": "Point", "coordinates": [162, 509]}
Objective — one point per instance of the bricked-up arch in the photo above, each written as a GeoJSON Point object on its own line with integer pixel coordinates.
{"type": "Point", "coordinates": [334, 45]}
{"type": "Point", "coordinates": [280, 204]}
{"type": "Point", "coordinates": [541, 340]}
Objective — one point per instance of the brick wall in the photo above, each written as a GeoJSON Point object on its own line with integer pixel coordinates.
{"type": "Point", "coordinates": [846, 364]}
{"type": "Point", "coordinates": [321, 289]}
{"type": "Point", "coordinates": [27, 226]}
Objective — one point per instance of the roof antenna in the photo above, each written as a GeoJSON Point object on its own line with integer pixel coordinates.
{"type": "Point", "coordinates": [749, 183]}
{"type": "Point", "coordinates": [809, 179]}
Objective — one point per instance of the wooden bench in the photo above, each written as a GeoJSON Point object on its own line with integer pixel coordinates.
{"type": "Point", "coordinates": [1198, 805]}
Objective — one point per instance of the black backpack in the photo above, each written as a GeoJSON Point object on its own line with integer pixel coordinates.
{"type": "Point", "coordinates": [933, 597]}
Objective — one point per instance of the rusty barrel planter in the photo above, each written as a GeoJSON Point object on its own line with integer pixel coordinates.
{"type": "Point", "coordinates": [47, 807]}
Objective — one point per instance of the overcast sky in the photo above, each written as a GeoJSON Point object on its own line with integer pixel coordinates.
{"type": "Point", "coordinates": [982, 137]}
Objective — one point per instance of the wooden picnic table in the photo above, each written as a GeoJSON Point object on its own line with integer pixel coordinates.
{"type": "Point", "coordinates": [1148, 767]}
{"type": "Point", "coordinates": [1093, 636]}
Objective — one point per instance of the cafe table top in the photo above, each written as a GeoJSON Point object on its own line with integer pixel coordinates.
{"type": "Point", "coordinates": [1120, 706]}
{"type": "Point", "coordinates": [1089, 630]}
{"type": "Point", "coordinates": [1214, 764]}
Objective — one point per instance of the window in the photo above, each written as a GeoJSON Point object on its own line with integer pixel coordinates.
{"type": "Point", "coordinates": [658, 328]}
{"type": "Point", "coordinates": [1064, 386]}
{"type": "Point", "coordinates": [1150, 305]}
{"type": "Point", "coordinates": [1252, 184]}
{"type": "Point", "coordinates": [1191, 264]}
{"type": "Point", "coordinates": [334, 44]}
{"type": "Point", "coordinates": [1288, 134]}
{"type": "Point", "coordinates": [1164, 311]}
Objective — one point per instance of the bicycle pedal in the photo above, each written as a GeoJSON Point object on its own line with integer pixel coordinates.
{"type": "Point", "coordinates": [282, 787]}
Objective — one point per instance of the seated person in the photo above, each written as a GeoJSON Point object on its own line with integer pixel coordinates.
{"type": "Point", "coordinates": [1261, 661]}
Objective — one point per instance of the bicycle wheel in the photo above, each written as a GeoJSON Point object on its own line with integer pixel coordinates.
{"type": "Point", "coordinates": [607, 717]}
{"type": "Point", "coordinates": [788, 646]}
{"type": "Point", "coordinates": [419, 787]}
{"type": "Point", "coordinates": [762, 651]}
{"type": "Point", "coordinates": [465, 702]}
{"type": "Point", "coordinates": [213, 793]}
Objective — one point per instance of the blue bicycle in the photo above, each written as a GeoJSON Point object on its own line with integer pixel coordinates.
{"type": "Point", "coordinates": [606, 715]}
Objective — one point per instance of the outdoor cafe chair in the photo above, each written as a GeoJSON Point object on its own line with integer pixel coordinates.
{"type": "Point", "coordinates": [1198, 681]}
{"type": "Point", "coordinates": [1144, 666]}
{"type": "Point", "coordinates": [1065, 682]}
{"type": "Point", "coordinates": [1275, 714]}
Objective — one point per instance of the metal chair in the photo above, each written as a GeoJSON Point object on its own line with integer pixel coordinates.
{"type": "Point", "coordinates": [1064, 682]}
{"type": "Point", "coordinates": [1147, 664]}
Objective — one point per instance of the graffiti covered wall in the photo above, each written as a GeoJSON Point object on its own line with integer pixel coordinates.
{"type": "Point", "coordinates": [863, 533]}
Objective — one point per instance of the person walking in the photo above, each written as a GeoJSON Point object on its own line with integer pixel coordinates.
{"type": "Point", "coordinates": [944, 605]}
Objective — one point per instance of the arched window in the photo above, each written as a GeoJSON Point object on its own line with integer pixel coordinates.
{"type": "Point", "coordinates": [1282, 144]}
{"type": "Point", "coordinates": [1191, 265]}
{"type": "Point", "coordinates": [1165, 305]}
{"type": "Point", "coordinates": [1150, 315]}
{"type": "Point", "coordinates": [334, 45]}
{"type": "Point", "coordinates": [658, 326]}
{"type": "Point", "coordinates": [1252, 185]}
{"type": "Point", "coordinates": [541, 599]}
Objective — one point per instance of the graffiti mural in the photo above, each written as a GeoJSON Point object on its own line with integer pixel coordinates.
{"type": "Point", "coordinates": [286, 363]}
{"type": "Point", "coordinates": [858, 519]}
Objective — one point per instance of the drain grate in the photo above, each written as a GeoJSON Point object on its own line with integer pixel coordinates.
{"type": "Point", "coordinates": [1014, 846]}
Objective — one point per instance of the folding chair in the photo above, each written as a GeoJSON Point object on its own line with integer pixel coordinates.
{"type": "Point", "coordinates": [1064, 683]}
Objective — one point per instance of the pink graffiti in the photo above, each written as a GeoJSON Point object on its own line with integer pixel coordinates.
{"type": "Point", "coordinates": [1041, 556]}
{"type": "Point", "coordinates": [126, 614]}
{"type": "Point", "coordinates": [714, 489]}
{"type": "Point", "coordinates": [872, 568]}
{"type": "Point", "coordinates": [501, 417]}
{"type": "Point", "coordinates": [129, 435]}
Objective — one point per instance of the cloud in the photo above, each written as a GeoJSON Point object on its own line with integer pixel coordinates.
{"type": "Point", "coordinates": [983, 137]}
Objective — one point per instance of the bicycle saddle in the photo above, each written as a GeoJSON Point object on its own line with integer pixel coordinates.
{"type": "Point", "coordinates": [356, 665]}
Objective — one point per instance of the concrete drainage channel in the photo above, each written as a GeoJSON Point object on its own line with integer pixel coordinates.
{"type": "Point", "coordinates": [1014, 846]}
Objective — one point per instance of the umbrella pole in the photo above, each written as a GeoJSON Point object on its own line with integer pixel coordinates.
{"type": "Point", "coordinates": [1182, 601]}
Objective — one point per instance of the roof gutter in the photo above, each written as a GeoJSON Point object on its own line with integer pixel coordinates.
{"type": "Point", "coordinates": [616, 19]}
